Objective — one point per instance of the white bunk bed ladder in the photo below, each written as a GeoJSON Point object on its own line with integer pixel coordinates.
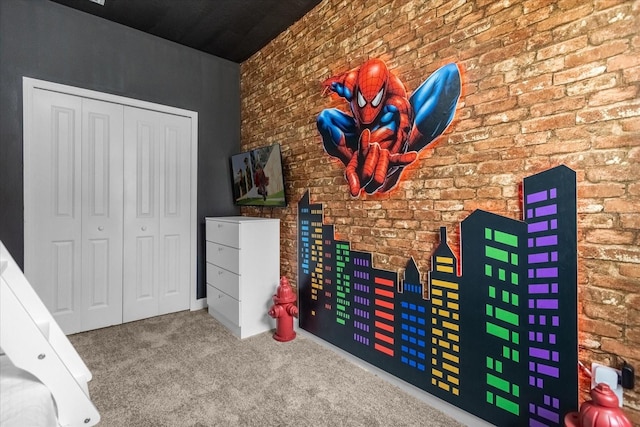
{"type": "Point", "coordinates": [34, 342]}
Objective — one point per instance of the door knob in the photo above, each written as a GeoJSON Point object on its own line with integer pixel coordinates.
{"type": "Point", "coordinates": [143, 228]}
{"type": "Point", "coordinates": [100, 228]}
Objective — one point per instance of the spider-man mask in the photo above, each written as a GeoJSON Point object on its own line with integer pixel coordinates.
{"type": "Point", "coordinates": [370, 91]}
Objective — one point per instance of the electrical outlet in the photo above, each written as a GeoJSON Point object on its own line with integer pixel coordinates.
{"type": "Point", "coordinates": [609, 376]}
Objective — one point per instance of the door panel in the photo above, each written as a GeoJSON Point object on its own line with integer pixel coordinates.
{"type": "Point", "coordinates": [53, 206]}
{"type": "Point", "coordinates": [157, 213]}
{"type": "Point", "coordinates": [140, 298]}
{"type": "Point", "coordinates": [102, 204]}
{"type": "Point", "coordinates": [175, 212]}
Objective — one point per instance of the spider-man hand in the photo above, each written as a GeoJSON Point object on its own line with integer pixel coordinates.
{"type": "Point", "coordinates": [370, 165]}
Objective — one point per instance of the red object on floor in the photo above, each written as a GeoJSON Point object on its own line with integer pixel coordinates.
{"type": "Point", "coordinates": [284, 310]}
{"type": "Point", "coordinates": [603, 411]}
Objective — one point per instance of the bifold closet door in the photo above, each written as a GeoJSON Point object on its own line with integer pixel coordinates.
{"type": "Point", "coordinates": [157, 207]}
{"type": "Point", "coordinates": [73, 209]}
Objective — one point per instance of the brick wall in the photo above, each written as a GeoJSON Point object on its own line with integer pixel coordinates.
{"type": "Point", "coordinates": [545, 82]}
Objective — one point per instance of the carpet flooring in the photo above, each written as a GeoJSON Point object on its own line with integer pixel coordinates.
{"type": "Point", "coordinates": [186, 370]}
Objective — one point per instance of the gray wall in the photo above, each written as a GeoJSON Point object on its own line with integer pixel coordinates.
{"type": "Point", "coordinates": [49, 41]}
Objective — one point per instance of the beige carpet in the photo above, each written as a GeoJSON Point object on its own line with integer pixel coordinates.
{"type": "Point", "coordinates": [186, 369]}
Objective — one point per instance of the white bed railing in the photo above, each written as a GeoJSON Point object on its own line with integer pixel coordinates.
{"type": "Point", "coordinates": [34, 342]}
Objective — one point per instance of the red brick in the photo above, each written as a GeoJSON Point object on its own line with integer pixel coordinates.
{"type": "Point", "coordinates": [600, 328]}
{"type": "Point", "coordinates": [491, 81]}
{"type": "Point", "coordinates": [491, 205]}
{"type": "Point", "coordinates": [610, 237]}
{"type": "Point", "coordinates": [489, 192]}
{"type": "Point", "coordinates": [531, 85]}
{"type": "Point", "coordinates": [590, 85]}
{"type": "Point", "coordinates": [618, 29]}
{"type": "Point", "coordinates": [607, 312]}
{"type": "Point", "coordinates": [484, 149]}
{"type": "Point", "coordinates": [596, 220]}
{"type": "Point", "coordinates": [616, 141]}
{"type": "Point", "coordinates": [448, 205]}
{"type": "Point", "coordinates": [529, 6]}
{"type": "Point", "coordinates": [612, 281]}
{"type": "Point", "coordinates": [563, 48]}
{"type": "Point", "coordinates": [514, 65]}
{"type": "Point", "coordinates": [535, 16]}
{"type": "Point", "coordinates": [630, 221]}
{"type": "Point", "coordinates": [554, 107]}
{"type": "Point", "coordinates": [548, 123]}
{"type": "Point", "coordinates": [499, 166]}
{"type": "Point", "coordinates": [622, 62]}
{"type": "Point", "coordinates": [510, 116]}
{"type": "Point", "coordinates": [631, 75]}
{"type": "Point", "coordinates": [532, 138]}
{"type": "Point", "coordinates": [578, 73]}
{"type": "Point", "coordinates": [630, 270]}
{"type": "Point", "coordinates": [470, 180]}
{"type": "Point", "coordinates": [620, 348]}
{"type": "Point", "coordinates": [615, 173]}
{"type": "Point", "coordinates": [564, 17]}
{"type": "Point", "coordinates": [498, 105]}
{"type": "Point", "coordinates": [618, 111]}
{"type": "Point", "coordinates": [611, 253]}
{"type": "Point", "coordinates": [547, 66]}
{"type": "Point", "coordinates": [595, 53]}
{"type": "Point", "coordinates": [460, 12]}
{"type": "Point", "coordinates": [496, 55]}
{"type": "Point", "coordinates": [458, 193]}
{"type": "Point", "coordinates": [538, 40]}
{"type": "Point", "coordinates": [634, 189]}
{"type": "Point", "coordinates": [607, 4]}
{"type": "Point", "coordinates": [613, 95]}
{"type": "Point", "coordinates": [633, 301]}
{"type": "Point", "coordinates": [448, 7]}
{"type": "Point", "coordinates": [604, 189]}
{"type": "Point", "coordinates": [502, 130]}
{"type": "Point", "coordinates": [470, 136]}
{"type": "Point", "coordinates": [468, 20]}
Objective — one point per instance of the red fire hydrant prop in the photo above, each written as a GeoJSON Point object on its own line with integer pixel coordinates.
{"type": "Point", "coordinates": [284, 310]}
{"type": "Point", "coordinates": [603, 411]}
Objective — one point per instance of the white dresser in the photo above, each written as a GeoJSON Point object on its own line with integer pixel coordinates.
{"type": "Point", "coordinates": [243, 271]}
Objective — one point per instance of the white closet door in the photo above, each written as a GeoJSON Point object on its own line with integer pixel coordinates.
{"type": "Point", "coordinates": [73, 209]}
{"type": "Point", "coordinates": [175, 213]}
{"type": "Point", "coordinates": [156, 213]}
{"type": "Point", "coordinates": [102, 206]}
{"type": "Point", "coordinates": [53, 211]}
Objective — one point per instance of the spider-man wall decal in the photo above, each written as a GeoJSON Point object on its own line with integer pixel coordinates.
{"type": "Point", "coordinates": [386, 129]}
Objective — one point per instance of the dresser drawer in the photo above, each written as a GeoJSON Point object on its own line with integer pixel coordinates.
{"type": "Point", "coordinates": [225, 233]}
{"type": "Point", "coordinates": [223, 304]}
{"type": "Point", "coordinates": [224, 256]}
{"type": "Point", "coordinates": [224, 280]}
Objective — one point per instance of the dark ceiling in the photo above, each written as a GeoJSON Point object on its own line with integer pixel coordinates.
{"type": "Point", "coordinates": [230, 29]}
